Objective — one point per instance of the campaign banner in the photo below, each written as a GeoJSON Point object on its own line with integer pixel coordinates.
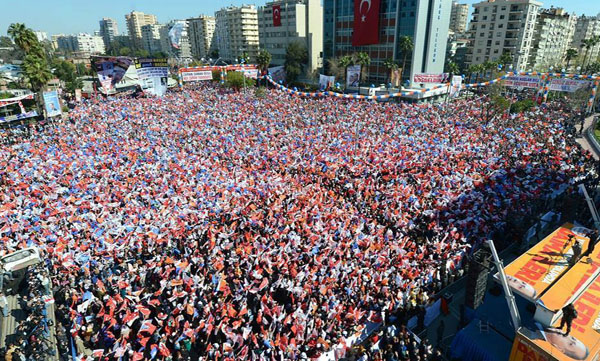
{"type": "Point", "coordinates": [455, 86]}
{"type": "Point", "coordinates": [353, 76]}
{"type": "Point", "coordinates": [277, 73]}
{"type": "Point", "coordinates": [12, 118]}
{"type": "Point", "coordinates": [198, 75]}
{"type": "Point", "coordinates": [110, 69]}
{"type": "Point", "coordinates": [522, 81]}
{"type": "Point", "coordinates": [568, 85]}
{"type": "Point", "coordinates": [176, 33]}
{"type": "Point", "coordinates": [366, 22]}
{"type": "Point", "coordinates": [396, 78]}
{"type": "Point", "coordinates": [250, 73]}
{"type": "Point", "coordinates": [326, 82]}
{"type": "Point", "coordinates": [78, 95]}
{"type": "Point", "coordinates": [431, 78]}
{"type": "Point", "coordinates": [52, 104]}
{"type": "Point", "coordinates": [8, 101]}
{"type": "Point", "coordinates": [153, 75]}
{"type": "Point", "coordinates": [535, 271]}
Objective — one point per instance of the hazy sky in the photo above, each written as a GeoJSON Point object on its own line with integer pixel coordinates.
{"type": "Point", "coordinates": [73, 16]}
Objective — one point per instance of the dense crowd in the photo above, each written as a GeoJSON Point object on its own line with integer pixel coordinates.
{"type": "Point", "coordinates": [229, 227]}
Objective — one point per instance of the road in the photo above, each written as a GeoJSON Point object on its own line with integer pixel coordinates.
{"type": "Point", "coordinates": [583, 141]}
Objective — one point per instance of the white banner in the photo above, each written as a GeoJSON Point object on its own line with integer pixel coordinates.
{"type": "Point", "coordinates": [522, 81]}
{"type": "Point", "coordinates": [251, 73]}
{"type": "Point", "coordinates": [431, 78]}
{"type": "Point", "coordinates": [196, 75]}
{"type": "Point", "coordinates": [568, 85]}
{"type": "Point", "coordinates": [455, 86]}
{"type": "Point", "coordinates": [326, 82]}
{"type": "Point", "coordinates": [353, 76]}
{"type": "Point", "coordinates": [153, 75]}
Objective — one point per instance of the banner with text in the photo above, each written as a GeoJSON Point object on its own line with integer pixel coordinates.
{"type": "Point", "coordinates": [431, 78]}
{"type": "Point", "coordinates": [522, 81]}
{"type": "Point", "coordinates": [153, 75]}
{"type": "Point", "coordinates": [196, 75]}
{"type": "Point", "coordinates": [52, 104]}
{"type": "Point", "coordinates": [568, 85]}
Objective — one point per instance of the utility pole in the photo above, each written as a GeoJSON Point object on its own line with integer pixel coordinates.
{"type": "Point", "coordinates": [510, 298]}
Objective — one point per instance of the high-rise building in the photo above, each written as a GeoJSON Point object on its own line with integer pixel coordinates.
{"type": "Point", "coordinates": [586, 28]}
{"type": "Point", "coordinates": [151, 41]}
{"type": "Point", "coordinates": [425, 22]}
{"type": "Point", "coordinates": [201, 32]}
{"type": "Point", "coordinates": [135, 20]}
{"type": "Point", "coordinates": [175, 40]}
{"type": "Point", "coordinates": [41, 35]}
{"type": "Point", "coordinates": [90, 44]}
{"type": "Point", "coordinates": [294, 21]}
{"type": "Point", "coordinates": [459, 17]}
{"type": "Point", "coordinates": [108, 30]}
{"type": "Point", "coordinates": [236, 32]}
{"type": "Point", "coordinates": [64, 42]}
{"type": "Point", "coordinates": [503, 26]}
{"type": "Point", "coordinates": [552, 37]}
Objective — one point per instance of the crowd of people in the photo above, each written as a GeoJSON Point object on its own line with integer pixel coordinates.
{"type": "Point", "coordinates": [216, 225]}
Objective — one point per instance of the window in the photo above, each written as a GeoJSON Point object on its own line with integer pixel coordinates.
{"type": "Point", "coordinates": [484, 17]}
{"type": "Point", "coordinates": [501, 17]}
{"type": "Point", "coordinates": [500, 26]}
{"type": "Point", "coordinates": [483, 26]}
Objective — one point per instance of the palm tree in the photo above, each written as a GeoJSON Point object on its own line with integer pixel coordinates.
{"type": "Point", "coordinates": [335, 68]}
{"type": "Point", "coordinates": [263, 59]}
{"type": "Point", "coordinates": [452, 68]}
{"type": "Point", "coordinates": [489, 66]}
{"type": "Point", "coordinates": [391, 65]}
{"type": "Point", "coordinates": [23, 37]}
{"type": "Point", "coordinates": [571, 54]}
{"type": "Point", "coordinates": [406, 45]}
{"type": "Point", "coordinates": [588, 44]}
{"type": "Point", "coordinates": [364, 60]}
{"type": "Point", "coordinates": [505, 59]}
{"type": "Point", "coordinates": [344, 62]}
{"type": "Point", "coordinates": [36, 71]}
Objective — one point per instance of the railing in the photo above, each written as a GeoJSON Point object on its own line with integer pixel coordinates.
{"type": "Point", "coordinates": [591, 137]}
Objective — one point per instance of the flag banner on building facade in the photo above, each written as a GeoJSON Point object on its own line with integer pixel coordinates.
{"type": "Point", "coordinates": [455, 86]}
{"type": "Point", "coordinates": [522, 81]}
{"type": "Point", "coordinates": [175, 34]}
{"type": "Point", "coordinates": [326, 82]}
{"type": "Point", "coordinates": [153, 75]}
{"type": "Point", "coordinates": [396, 78]}
{"type": "Point", "coordinates": [276, 15]}
{"type": "Point", "coordinates": [353, 76]}
{"type": "Point", "coordinates": [366, 22]}
{"type": "Point", "coordinates": [277, 73]}
{"type": "Point", "coordinates": [568, 85]}
{"type": "Point", "coordinates": [110, 69]}
{"type": "Point", "coordinates": [52, 104]}
{"type": "Point", "coordinates": [431, 78]}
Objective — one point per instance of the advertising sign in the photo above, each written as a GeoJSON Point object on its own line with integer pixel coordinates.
{"type": "Point", "coordinates": [197, 75]}
{"type": "Point", "coordinates": [533, 272]}
{"type": "Point", "coordinates": [110, 70]}
{"type": "Point", "coordinates": [522, 81]}
{"type": "Point", "coordinates": [353, 76]}
{"type": "Point", "coordinates": [455, 85]}
{"type": "Point", "coordinates": [153, 75]}
{"type": "Point", "coordinates": [326, 82]}
{"type": "Point", "coordinates": [431, 78]}
{"type": "Point", "coordinates": [277, 73]}
{"type": "Point", "coordinates": [568, 85]}
{"type": "Point", "coordinates": [52, 104]}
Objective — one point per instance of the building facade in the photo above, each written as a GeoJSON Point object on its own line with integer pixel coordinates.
{"type": "Point", "coordinates": [65, 42]}
{"type": "Point", "coordinates": [135, 20]}
{"type": "Point", "coordinates": [201, 33]}
{"type": "Point", "coordinates": [426, 22]}
{"type": "Point", "coordinates": [459, 17]}
{"type": "Point", "coordinates": [586, 28]}
{"type": "Point", "coordinates": [91, 44]}
{"type": "Point", "coordinates": [300, 21]}
{"type": "Point", "coordinates": [108, 30]}
{"type": "Point", "coordinates": [236, 32]}
{"type": "Point", "coordinates": [151, 38]}
{"type": "Point", "coordinates": [553, 35]}
{"type": "Point", "coordinates": [41, 35]}
{"type": "Point", "coordinates": [503, 26]}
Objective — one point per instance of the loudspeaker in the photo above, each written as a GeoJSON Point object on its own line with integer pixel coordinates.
{"type": "Point", "coordinates": [477, 277]}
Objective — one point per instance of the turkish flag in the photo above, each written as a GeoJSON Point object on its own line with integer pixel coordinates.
{"type": "Point", "coordinates": [276, 15]}
{"type": "Point", "coordinates": [366, 22]}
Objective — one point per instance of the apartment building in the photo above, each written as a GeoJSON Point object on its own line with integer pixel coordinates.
{"type": "Point", "coordinates": [552, 37]}
{"type": "Point", "coordinates": [135, 20]}
{"type": "Point", "coordinates": [108, 30]}
{"type": "Point", "coordinates": [459, 16]}
{"type": "Point", "coordinates": [151, 41]}
{"type": "Point", "coordinates": [586, 28]}
{"type": "Point", "coordinates": [236, 32]}
{"type": "Point", "coordinates": [201, 33]}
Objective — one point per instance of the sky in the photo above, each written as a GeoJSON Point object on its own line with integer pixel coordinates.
{"type": "Point", "coordinates": [75, 16]}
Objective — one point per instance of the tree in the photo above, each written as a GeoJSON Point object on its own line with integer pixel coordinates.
{"type": "Point", "coordinates": [67, 72]}
{"type": "Point", "coordinates": [588, 44]}
{"type": "Point", "coordinates": [124, 51]}
{"type": "Point", "coordinates": [452, 68]}
{"type": "Point", "coordinates": [594, 68]}
{"type": "Point", "coordinates": [496, 104]}
{"type": "Point", "coordinates": [489, 66]}
{"type": "Point", "coordinates": [296, 57]}
{"type": "Point", "coordinates": [23, 37]}
{"type": "Point", "coordinates": [391, 65]}
{"type": "Point", "coordinates": [571, 54]}
{"type": "Point", "coordinates": [364, 60]}
{"type": "Point", "coordinates": [263, 59]}
{"type": "Point", "coordinates": [406, 46]}
{"type": "Point", "coordinates": [159, 55]}
{"type": "Point", "coordinates": [236, 80]}
{"type": "Point", "coordinates": [141, 53]}
{"type": "Point", "coordinates": [5, 42]}
{"type": "Point", "coordinates": [335, 68]}
{"type": "Point", "coordinates": [505, 60]}
{"type": "Point", "coordinates": [214, 54]}
{"type": "Point", "coordinates": [36, 72]}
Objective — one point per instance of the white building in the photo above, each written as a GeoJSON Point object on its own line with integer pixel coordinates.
{"type": "Point", "coordinates": [151, 41]}
{"type": "Point", "coordinates": [91, 44]}
{"type": "Point", "coordinates": [108, 30]}
{"type": "Point", "coordinates": [301, 21]}
{"type": "Point", "coordinates": [41, 35]}
{"type": "Point", "coordinates": [135, 20]}
{"type": "Point", "coordinates": [553, 35]}
{"type": "Point", "coordinates": [503, 26]}
{"type": "Point", "coordinates": [236, 32]}
{"type": "Point", "coordinates": [201, 33]}
{"type": "Point", "coordinates": [459, 17]}
{"type": "Point", "coordinates": [175, 40]}
{"type": "Point", "coordinates": [586, 28]}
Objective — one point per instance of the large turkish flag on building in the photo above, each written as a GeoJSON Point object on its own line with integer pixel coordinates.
{"type": "Point", "coordinates": [366, 22]}
{"type": "Point", "coordinates": [276, 15]}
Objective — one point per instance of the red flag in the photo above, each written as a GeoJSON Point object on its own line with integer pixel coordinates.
{"type": "Point", "coordinates": [366, 22]}
{"type": "Point", "coordinates": [276, 15]}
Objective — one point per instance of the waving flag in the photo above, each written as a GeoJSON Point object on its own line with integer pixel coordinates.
{"type": "Point", "coordinates": [366, 22]}
{"type": "Point", "coordinates": [276, 15]}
